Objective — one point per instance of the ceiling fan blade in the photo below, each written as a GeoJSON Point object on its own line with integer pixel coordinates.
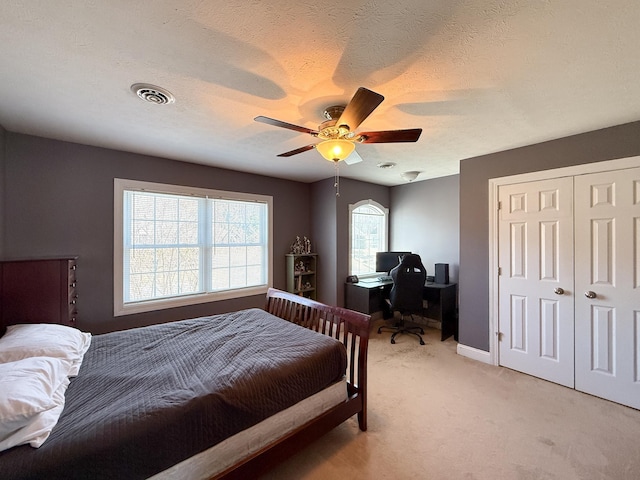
{"type": "Point", "coordinates": [391, 136]}
{"type": "Point", "coordinates": [353, 158]}
{"type": "Point", "coordinates": [297, 150]}
{"type": "Point", "coordinates": [290, 126]}
{"type": "Point", "coordinates": [360, 107]}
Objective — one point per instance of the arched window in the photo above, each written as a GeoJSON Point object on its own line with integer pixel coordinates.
{"type": "Point", "coordinates": [368, 223]}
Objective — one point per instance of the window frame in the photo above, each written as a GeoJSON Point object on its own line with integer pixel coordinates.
{"type": "Point", "coordinates": [385, 211]}
{"type": "Point", "coordinates": [119, 306]}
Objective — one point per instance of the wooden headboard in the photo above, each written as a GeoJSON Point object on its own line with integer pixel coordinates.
{"type": "Point", "coordinates": [39, 290]}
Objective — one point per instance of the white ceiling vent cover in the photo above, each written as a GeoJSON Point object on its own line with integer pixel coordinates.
{"type": "Point", "coordinates": [153, 94]}
{"type": "Point", "coordinates": [386, 165]}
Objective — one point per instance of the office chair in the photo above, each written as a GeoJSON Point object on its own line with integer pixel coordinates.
{"type": "Point", "coordinates": [406, 295]}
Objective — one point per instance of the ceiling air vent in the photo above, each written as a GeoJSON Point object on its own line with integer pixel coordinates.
{"type": "Point", "coordinates": [386, 165]}
{"type": "Point", "coordinates": [153, 94]}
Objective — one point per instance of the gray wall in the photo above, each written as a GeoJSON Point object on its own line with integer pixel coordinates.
{"type": "Point", "coordinates": [425, 219]}
{"type": "Point", "coordinates": [3, 134]}
{"type": "Point", "coordinates": [324, 238]}
{"type": "Point", "coordinates": [58, 200]}
{"type": "Point", "coordinates": [330, 230]}
{"type": "Point", "coordinates": [606, 144]}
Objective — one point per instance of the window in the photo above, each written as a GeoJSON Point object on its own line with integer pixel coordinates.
{"type": "Point", "coordinates": [177, 246]}
{"type": "Point", "coordinates": [368, 222]}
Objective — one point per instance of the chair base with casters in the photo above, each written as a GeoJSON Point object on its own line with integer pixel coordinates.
{"type": "Point", "coordinates": [400, 327]}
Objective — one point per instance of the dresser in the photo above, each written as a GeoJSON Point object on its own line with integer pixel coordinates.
{"type": "Point", "coordinates": [38, 290]}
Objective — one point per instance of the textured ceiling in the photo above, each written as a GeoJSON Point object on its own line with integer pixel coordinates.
{"type": "Point", "coordinates": [478, 76]}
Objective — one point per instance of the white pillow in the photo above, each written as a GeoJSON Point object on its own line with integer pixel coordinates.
{"type": "Point", "coordinates": [31, 399]}
{"type": "Point", "coordinates": [44, 340]}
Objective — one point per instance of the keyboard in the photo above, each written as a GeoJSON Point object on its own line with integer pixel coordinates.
{"type": "Point", "coordinates": [384, 278]}
{"type": "Point", "coordinates": [368, 280]}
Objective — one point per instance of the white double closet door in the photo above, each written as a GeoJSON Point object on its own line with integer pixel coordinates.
{"type": "Point", "coordinates": [569, 282]}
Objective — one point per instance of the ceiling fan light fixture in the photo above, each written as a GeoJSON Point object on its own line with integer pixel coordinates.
{"type": "Point", "coordinates": [335, 150]}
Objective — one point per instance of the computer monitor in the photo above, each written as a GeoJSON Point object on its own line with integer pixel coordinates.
{"type": "Point", "coordinates": [387, 261]}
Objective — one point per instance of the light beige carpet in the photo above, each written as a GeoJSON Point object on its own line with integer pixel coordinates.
{"type": "Point", "coordinates": [436, 415]}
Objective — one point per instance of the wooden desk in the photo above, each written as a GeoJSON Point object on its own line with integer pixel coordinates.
{"type": "Point", "coordinates": [370, 297]}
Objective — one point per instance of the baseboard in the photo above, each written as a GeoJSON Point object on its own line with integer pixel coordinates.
{"type": "Point", "coordinates": [474, 354]}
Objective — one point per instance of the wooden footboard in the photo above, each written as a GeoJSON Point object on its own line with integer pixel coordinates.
{"type": "Point", "coordinates": [349, 327]}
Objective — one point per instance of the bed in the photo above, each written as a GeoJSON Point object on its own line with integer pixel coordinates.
{"type": "Point", "coordinates": [278, 387]}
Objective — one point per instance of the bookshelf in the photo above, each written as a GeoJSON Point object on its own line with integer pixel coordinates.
{"type": "Point", "coordinates": [301, 274]}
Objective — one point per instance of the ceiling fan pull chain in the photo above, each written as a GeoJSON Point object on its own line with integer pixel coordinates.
{"type": "Point", "coordinates": [337, 178]}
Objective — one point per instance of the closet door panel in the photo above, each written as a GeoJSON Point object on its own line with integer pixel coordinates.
{"type": "Point", "coordinates": [536, 283]}
{"type": "Point", "coordinates": [607, 301]}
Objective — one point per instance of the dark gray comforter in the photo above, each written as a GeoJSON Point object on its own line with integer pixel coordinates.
{"type": "Point", "coordinates": [148, 398]}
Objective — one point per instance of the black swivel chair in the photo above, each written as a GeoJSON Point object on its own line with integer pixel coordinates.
{"type": "Point", "coordinates": [406, 294]}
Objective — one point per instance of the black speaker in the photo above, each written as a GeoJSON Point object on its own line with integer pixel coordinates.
{"type": "Point", "coordinates": [442, 273]}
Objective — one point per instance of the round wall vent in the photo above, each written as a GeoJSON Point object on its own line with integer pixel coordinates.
{"type": "Point", "coordinates": [153, 94]}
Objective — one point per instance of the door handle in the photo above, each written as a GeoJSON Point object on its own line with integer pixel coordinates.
{"type": "Point", "coordinates": [590, 294]}
{"type": "Point", "coordinates": [558, 291]}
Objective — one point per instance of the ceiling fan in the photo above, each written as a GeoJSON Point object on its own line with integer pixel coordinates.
{"type": "Point", "coordinates": [337, 131]}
